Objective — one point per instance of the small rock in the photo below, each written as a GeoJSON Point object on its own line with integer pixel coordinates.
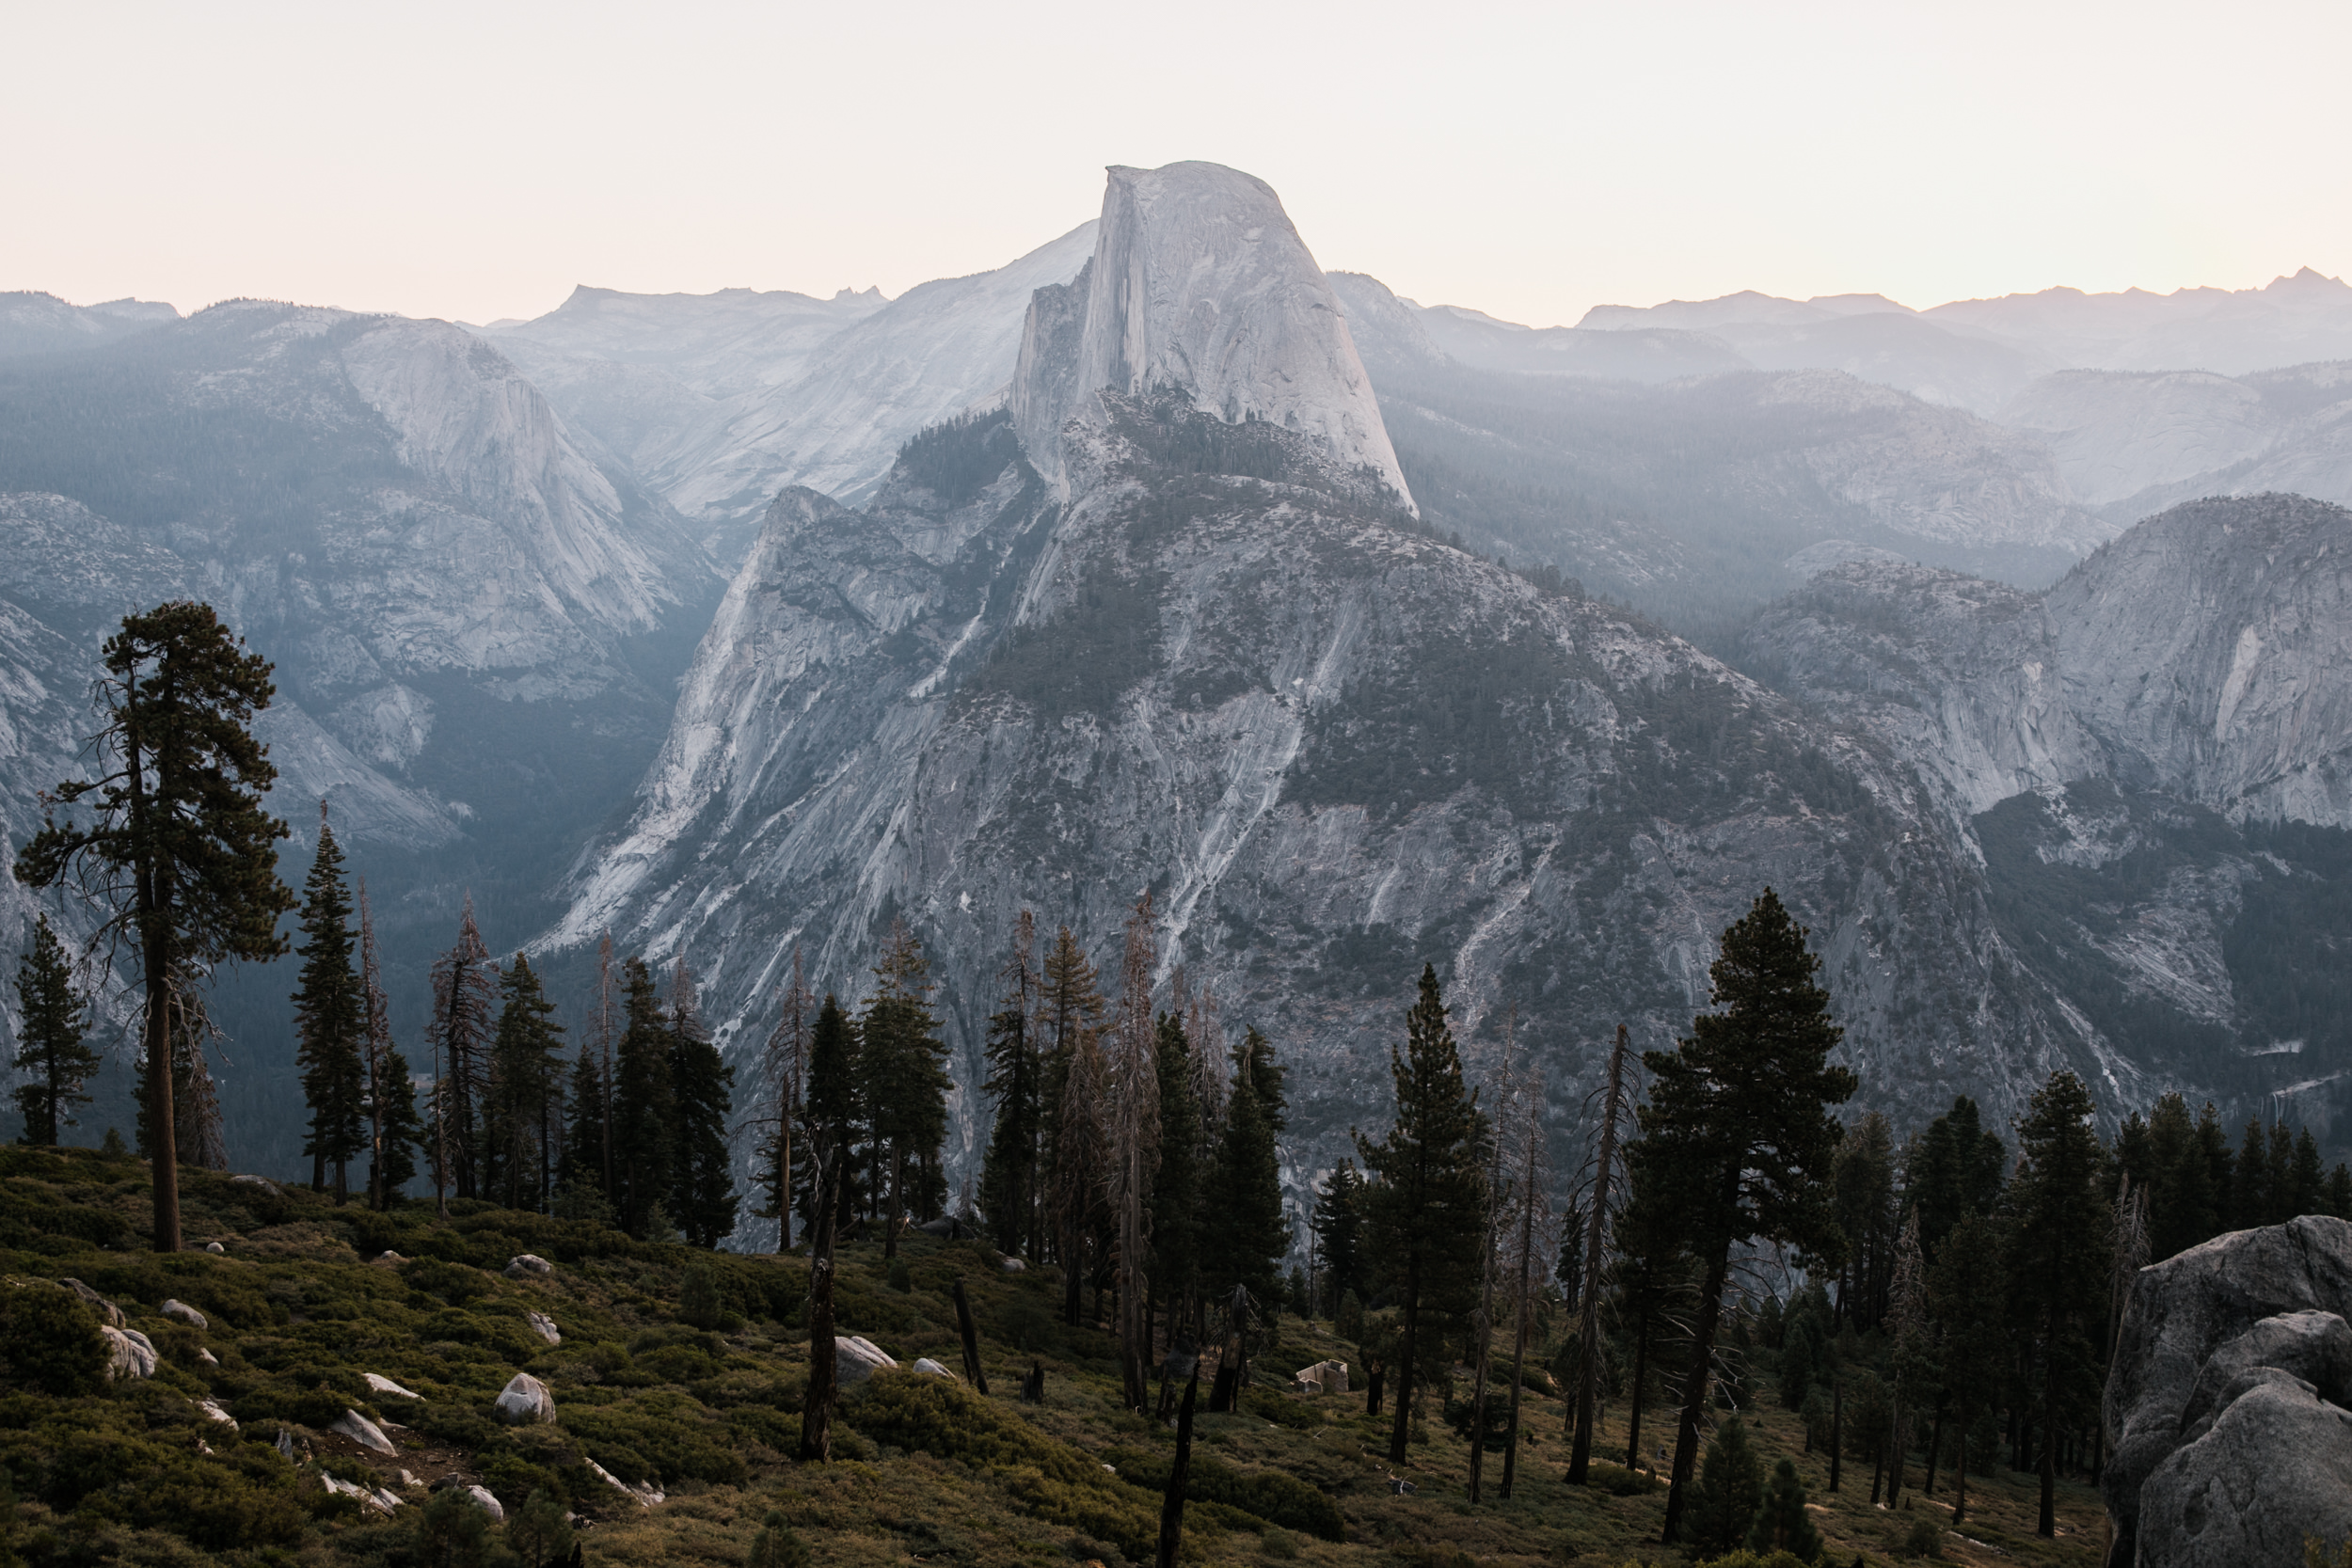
{"type": "Point", "coordinates": [202, 1447]}
{"type": "Point", "coordinates": [647, 1495]}
{"type": "Point", "coordinates": [1399, 1487]}
{"type": "Point", "coordinates": [262, 1181]}
{"type": "Point", "coordinates": [378, 1384]}
{"type": "Point", "coordinates": [214, 1247]}
{"type": "Point", "coordinates": [930, 1368]}
{"type": "Point", "coordinates": [285, 1442]}
{"type": "Point", "coordinates": [1324, 1377]}
{"type": "Point", "coordinates": [374, 1497]}
{"type": "Point", "coordinates": [408, 1479]}
{"type": "Point", "coordinates": [1013, 1265]}
{"type": "Point", "coordinates": [854, 1360]}
{"type": "Point", "coordinates": [364, 1432]}
{"type": "Point", "coordinates": [490, 1504]}
{"type": "Point", "coordinates": [526, 1399]}
{"type": "Point", "coordinates": [529, 1266]}
{"type": "Point", "coordinates": [107, 1312]}
{"type": "Point", "coordinates": [543, 1326]}
{"type": "Point", "coordinates": [388, 1258]}
{"type": "Point", "coordinates": [129, 1353]}
{"type": "Point", "coordinates": [185, 1313]}
{"type": "Point", "coordinates": [213, 1412]}
{"type": "Point", "coordinates": [207, 1356]}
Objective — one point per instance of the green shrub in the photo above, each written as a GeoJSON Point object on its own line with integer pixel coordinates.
{"type": "Point", "coordinates": [777, 1546]}
{"type": "Point", "coordinates": [1267, 1406]}
{"type": "Point", "coordinates": [1269, 1496]}
{"type": "Point", "coordinates": [538, 1532]}
{"type": "Point", "coordinates": [1923, 1539]}
{"type": "Point", "coordinates": [49, 1340]}
{"type": "Point", "coordinates": [453, 1283]}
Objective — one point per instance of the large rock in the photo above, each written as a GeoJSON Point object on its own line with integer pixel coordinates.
{"type": "Point", "coordinates": [184, 1313]}
{"type": "Point", "coordinates": [129, 1353]}
{"type": "Point", "coordinates": [528, 1265]}
{"type": "Point", "coordinates": [526, 1399]}
{"type": "Point", "coordinates": [2274, 1467]}
{"type": "Point", "coordinates": [107, 1312]}
{"type": "Point", "coordinates": [2273, 1293]}
{"type": "Point", "coordinates": [854, 1360]}
{"type": "Point", "coordinates": [365, 1432]}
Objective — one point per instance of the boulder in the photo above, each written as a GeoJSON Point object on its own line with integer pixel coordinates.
{"type": "Point", "coordinates": [854, 1360]}
{"type": "Point", "coordinates": [1013, 1265]}
{"type": "Point", "coordinates": [646, 1496]}
{"type": "Point", "coordinates": [387, 1260]}
{"type": "Point", "coordinates": [529, 1266]}
{"type": "Point", "coordinates": [378, 1384]}
{"type": "Point", "coordinates": [489, 1504]}
{"type": "Point", "coordinates": [374, 1497]}
{"type": "Point", "coordinates": [129, 1353]}
{"type": "Point", "coordinates": [185, 1313]}
{"type": "Point", "coordinates": [526, 1399]}
{"type": "Point", "coordinates": [262, 1181]}
{"type": "Point", "coordinates": [1324, 1377]}
{"type": "Point", "coordinates": [2274, 1466]}
{"type": "Point", "coordinates": [930, 1368]}
{"type": "Point", "coordinates": [108, 1313]}
{"type": "Point", "coordinates": [214, 1247]}
{"type": "Point", "coordinates": [365, 1432]}
{"type": "Point", "coordinates": [207, 1357]}
{"type": "Point", "coordinates": [2182, 1314]}
{"type": "Point", "coordinates": [543, 1326]}
{"type": "Point", "coordinates": [212, 1411]}
{"type": "Point", "coordinates": [2314, 1348]}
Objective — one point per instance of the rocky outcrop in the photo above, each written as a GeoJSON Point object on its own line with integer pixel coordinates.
{"type": "Point", "coordinates": [2228, 1401]}
{"type": "Point", "coordinates": [129, 1353]}
{"type": "Point", "coordinates": [2210, 650]}
{"type": "Point", "coordinates": [525, 1399]}
{"type": "Point", "coordinates": [366, 1433]}
{"type": "Point", "coordinates": [1200, 283]}
{"type": "Point", "coordinates": [854, 1360]}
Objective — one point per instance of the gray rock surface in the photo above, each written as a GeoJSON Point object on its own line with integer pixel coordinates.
{"type": "Point", "coordinates": [528, 1265]}
{"type": "Point", "coordinates": [378, 1384]}
{"type": "Point", "coordinates": [525, 1399]}
{"type": "Point", "coordinates": [2215, 1299]}
{"type": "Point", "coordinates": [129, 1353]}
{"type": "Point", "coordinates": [855, 1359]}
{"type": "Point", "coordinates": [184, 1313]}
{"type": "Point", "coordinates": [107, 1312]}
{"type": "Point", "coordinates": [1198, 282]}
{"type": "Point", "coordinates": [544, 1326]}
{"type": "Point", "coordinates": [2274, 1467]}
{"type": "Point", "coordinates": [366, 1433]}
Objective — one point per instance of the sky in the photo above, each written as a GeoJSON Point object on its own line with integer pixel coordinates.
{"type": "Point", "coordinates": [475, 160]}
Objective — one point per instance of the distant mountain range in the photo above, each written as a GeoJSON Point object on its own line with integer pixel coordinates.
{"type": "Point", "coordinates": [1361, 633]}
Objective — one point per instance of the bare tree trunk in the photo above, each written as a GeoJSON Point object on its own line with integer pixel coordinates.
{"type": "Point", "coordinates": [1519, 1343]}
{"type": "Point", "coordinates": [973, 1372]}
{"type": "Point", "coordinates": [1694, 1393]}
{"type": "Point", "coordinates": [1588, 1321]}
{"type": "Point", "coordinates": [1184, 1362]}
{"type": "Point", "coordinates": [817, 1411]}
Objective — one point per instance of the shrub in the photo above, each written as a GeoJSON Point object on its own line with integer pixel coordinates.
{"type": "Point", "coordinates": [777, 1546]}
{"type": "Point", "coordinates": [1269, 1496]}
{"type": "Point", "coordinates": [703, 1299]}
{"type": "Point", "coordinates": [453, 1283]}
{"type": "Point", "coordinates": [539, 1532]}
{"type": "Point", "coordinates": [1922, 1540]}
{"type": "Point", "coordinates": [49, 1341]}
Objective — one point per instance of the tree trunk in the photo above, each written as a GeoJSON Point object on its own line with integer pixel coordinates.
{"type": "Point", "coordinates": [1935, 1451]}
{"type": "Point", "coordinates": [817, 1411]}
{"type": "Point", "coordinates": [1373, 1386]}
{"type": "Point", "coordinates": [1173, 1500]}
{"type": "Point", "coordinates": [2047, 1527]}
{"type": "Point", "coordinates": [1836, 1428]}
{"type": "Point", "coordinates": [1519, 1341]}
{"type": "Point", "coordinates": [1633, 1410]}
{"type": "Point", "coordinates": [1694, 1393]}
{"type": "Point", "coordinates": [1895, 1454]}
{"type": "Point", "coordinates": [972, 1369]}
{"type": "Point", "coordinates": [1407, 1364]}
{"type": "Point", "coordinates": [1588, 1323]}
{"type": "Point", "coordinates": [162, 1146]}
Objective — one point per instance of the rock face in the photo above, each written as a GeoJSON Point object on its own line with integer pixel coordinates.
{"type": "Point", "coordinates": [1199, 283]}
{"type": "Point", "coordinates": [367, 1434]}
{"type": "Point", "coordinates": [2211, 650]}
{"type": "Point", "coordinates": [2228, 1400]}
{"type": "Point", "coordinates": [129, 1353]}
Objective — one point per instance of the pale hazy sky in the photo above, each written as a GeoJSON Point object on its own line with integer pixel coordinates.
{"type": "Point", "coordinates": [476, 160]}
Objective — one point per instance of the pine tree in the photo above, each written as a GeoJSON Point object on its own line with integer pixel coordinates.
{"type": "Point", "coordinates": [1782, 1524]}
{"type": "Point", "coordinates": [177, 841]}
{"type": "Point", "coordinates": [2306, 1185]}
{"type": "Point", "coordinates": [1177, 1214]}
{"type": "Point", "coordinates": [1731, 1490]}
{"type": "Point", "coordinates": [2177, 1174]}
{"type": "Point", "coordinates": [1016, 1069]}
{"type": "Point", "coordinates": [644, 1113]}
{"type": "Point", "coordinates": [2057, 1254]}
{"type": "Point", "coordinates": [1958, 1171]}
{"type": "Point", "coordinates": [904, 1065]}
{"type": "Point", "coordinates": [521, 1101]}
{"type": "Point", "coordinates": [1074, 1084]}
{"type": "Point", "coordinates": [49, 1051]}
{"type": "Point", "coordinates": [836, 1111]}
{"type": "Point", "coordinates": [463, 986]}
{"type": "Point", "coordinates": [199, 1138]}
{"type": "Point", "coordinates": [703, 1200]}
{"type": "Point", "coordinates": [1133, 1129]}
{"type": "Point", "coordinates": [1738, 1129]}
{"type": "Point", "coordinates": [788, 1076]}
{"type": "Point", "coordinates": [1247, 1234]}
{"type": "Point", "coordinates": [330, 1020]}
{"type": "Point", "coordinates": [393, 1130]}
{"type": "Point", "coordinates": [1427, 1196]}
{"type": "Point", "coordinates": [1862, 1188]}
{"type": "Point", "coordinates": [1338, 1224]}
{"type": "Point", "coordinates": [1973, 1325]}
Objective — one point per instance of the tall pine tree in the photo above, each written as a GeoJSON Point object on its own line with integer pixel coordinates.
{"type": "Point", "coordinates": [1074, 1088]}
{"type": "Point", "coordinates": [905, 1087]}
{"type": "Point", "coordinates": [644, 1112]}
{"type": "Point", "coordinates": [393, 1130]}
{"type": "Point", "coordinates": [521, 1100]}
{"type": "Point", "coordinates": [1016, 1084]}
{"type": "Point", "coordinates": [2056, 1256]}
{"type": "Point", "coordinates": [703, 1201]}
{"type": "Point", "coordinates": [1337, 1223]}
{"type": "Point", "coordinates": [463, 987]}
{"type": "Point", "coordinates": [331, 1022]}
{"type": "Point", "coordinates": [1177, 1214]}
{"type": "Point", "coordinates": [1427, 1198]}
{"type": "Point", "coordinates": [1737, 1132]}
{"type": "Point", "coordinates": [1246, 1235]}
{"type": "Point", "coordinates": [57, 1066]}
{"type": "Point", "coordinates": [836, 1110]}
